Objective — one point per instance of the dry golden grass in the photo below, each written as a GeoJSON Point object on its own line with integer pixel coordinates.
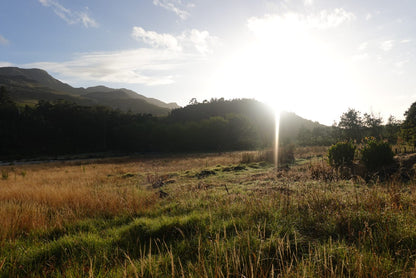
{"type": "Point", "coordinates": [51, 195]}
{"type": "Point", "coordinates": [248, 221]}
{"type": "Point", "coordinates": [310, 151]}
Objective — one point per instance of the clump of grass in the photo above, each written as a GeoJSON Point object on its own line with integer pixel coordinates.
{"type": "Point", "coordinates": [4, 174]}
{"type": "Point", "coordinates": [322, 171]}
{"type": "Point", "coordinates": [286, 155]}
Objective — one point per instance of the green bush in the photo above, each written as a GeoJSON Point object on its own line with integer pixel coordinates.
{"type": "Point", "coordinates": [376, 154]}
{"type": "Point", "coordinates": [341, 154]}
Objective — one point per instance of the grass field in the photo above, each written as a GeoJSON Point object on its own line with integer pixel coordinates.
{"type": "Point", "coordinates": [202, 216]}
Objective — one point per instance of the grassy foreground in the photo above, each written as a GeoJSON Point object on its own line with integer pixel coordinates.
{"type": "Point", "coordinates": [202, 216]}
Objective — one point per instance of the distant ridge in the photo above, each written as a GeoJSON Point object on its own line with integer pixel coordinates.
{"type": "Point", "coordinates": [31, 85]}
{"type": "Point", "coordinates": [132, 94]}
{"type": "Point", "coordinates": [40, 76]}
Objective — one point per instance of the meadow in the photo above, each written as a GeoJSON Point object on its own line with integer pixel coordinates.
{"type": "Point", "coordinates": [203, 215]}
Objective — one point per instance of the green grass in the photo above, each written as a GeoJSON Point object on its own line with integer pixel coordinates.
{"type": "Point", "coordinates": [234, 222]}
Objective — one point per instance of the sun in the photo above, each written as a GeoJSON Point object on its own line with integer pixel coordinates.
{"type": "Point", "coordinates": [285, 65]}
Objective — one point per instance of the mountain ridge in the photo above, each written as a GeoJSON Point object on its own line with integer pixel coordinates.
{"type": "Point", "coordinates": [31, 85]}
{"type": "Point", "coordinates": [28, 86]}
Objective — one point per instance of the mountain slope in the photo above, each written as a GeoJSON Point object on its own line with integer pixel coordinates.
{"type": "Point", "coordinates": [132, 94]}
{"type": "Point", "coordinates": [259, 113]}
{"type": "Point", "coordinates": [28, 86]}
{"type": "Point", "coordinates": [39, 76]}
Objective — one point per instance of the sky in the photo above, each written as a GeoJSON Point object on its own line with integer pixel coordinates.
{"type": "Point", "coordinates": [317, 58]}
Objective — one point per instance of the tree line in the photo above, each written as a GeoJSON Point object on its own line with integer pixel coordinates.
{"type": "Point", "coordinates": [61, 127]}
{"type": "Point", "coordinates": [355, 126]}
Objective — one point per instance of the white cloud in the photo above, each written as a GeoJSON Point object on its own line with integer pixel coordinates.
{"type": "Point", "coordinates": [332, 19]}
{"type": "Point", "coordinates": [3, 40]}
{"type": "Point", "coordinates": [406, 41]}
{"type": "Point", "coordinates": [5, 64]}
{"type": "Point", "coordinates": [368, 16]}
{"type": "Point", "coordinates": [175, 6]}
{"type": "Point", "coordinates": [201, 41]}
{"type": "Point", "coordinates": [70, 17]}
{"type": "Point", "coordinates": [140, 66]}
{"type": "Point", "coordinates": [159, 64]}
{"type": "Point", "coordinates": [193, 41]}
{"type": "Point", "coordinates": [387, 45]}
{"type": "Point", "coordinates": [293, 21]}
{"type": "Point", "coordinates": [155, 39]}
{"type": "Point", "coordinates": [86, 20]}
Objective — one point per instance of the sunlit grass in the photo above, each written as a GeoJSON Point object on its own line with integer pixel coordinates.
{"type": "Point", "coordinates": [235, 221]}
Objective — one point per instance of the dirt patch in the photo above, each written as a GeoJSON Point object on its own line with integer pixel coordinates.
{"type": "Point", "coordinates": [205, 173]}
{"type": "Point", "coordinates": [234, 168]}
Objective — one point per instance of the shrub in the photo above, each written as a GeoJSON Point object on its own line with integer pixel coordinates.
{"type": "Point", "coordinates": [4, 174]}
{"type": "Point", "coordinates": [376, 154]}
{"type": "Point", "coordinates": [341, 154]}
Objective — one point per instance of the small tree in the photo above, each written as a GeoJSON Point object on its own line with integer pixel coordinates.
{"type": "Point", "coordinates": [392, 129]}
{"type": "Point", "coordinates": [351, 124]}
{"type": "Point", "coordinates": [193, 101]}
{"type": "Point", "coordinates": [341, 154]}
{"type": "Point", "coordinates": [373, 124]}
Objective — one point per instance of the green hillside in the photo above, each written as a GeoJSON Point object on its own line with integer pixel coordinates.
{"type": "Point", "coordinates": [28, 86]}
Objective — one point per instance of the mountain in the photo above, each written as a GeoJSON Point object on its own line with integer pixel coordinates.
{"type": "Point", "coordinates": [259, 113]}
{"type": "Point", "coordinates": [131, 94]}
{"type": "Point", "coordinates": [39, 76]}
{"type": "Point", "coordinates": [28, 86]}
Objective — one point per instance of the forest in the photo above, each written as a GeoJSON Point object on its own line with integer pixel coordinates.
{"type": "Point", "coordinates": [61, 127]}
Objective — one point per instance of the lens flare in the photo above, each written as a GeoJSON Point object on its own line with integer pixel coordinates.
{"type": "Point", "coordinates": [276, 140]}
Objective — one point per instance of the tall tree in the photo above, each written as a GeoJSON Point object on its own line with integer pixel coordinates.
{"type": "Point", "coordinates": [392, 129]}
{"type": "Point", "coordinates": [409, 125]}
{"type": "Point", "coordinates": [373, 124]}
{"type": "Point", "coordinates": [351, 124]}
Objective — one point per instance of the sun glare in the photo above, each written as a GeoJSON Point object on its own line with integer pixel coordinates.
{"type": "Point", "coordinates": [284, 65]}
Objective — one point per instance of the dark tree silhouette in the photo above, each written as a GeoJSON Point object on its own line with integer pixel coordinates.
{"type": "Point", "coordinates": [409, 125]}
{"type": "Point", "coordinates": [351, 124]}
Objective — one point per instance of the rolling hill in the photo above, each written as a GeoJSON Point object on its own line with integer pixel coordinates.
{"type": "Point", "coordinates": [28, 86]}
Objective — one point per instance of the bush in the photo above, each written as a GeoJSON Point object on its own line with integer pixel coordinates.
{"type": "Point", "coordinates": [376, 154]}
{"type": "Point", "coordinates": [341, 154]}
